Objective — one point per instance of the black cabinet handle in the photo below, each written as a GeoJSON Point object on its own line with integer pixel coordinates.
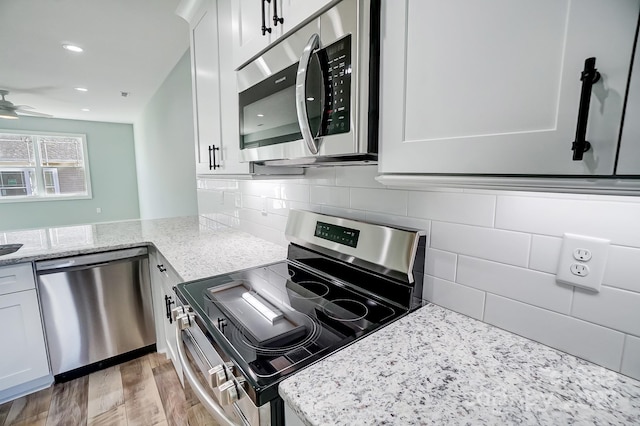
{"type": "Point", "coordinates": [167, 304]}
{"type": "Point", "coordinates": [161, 268]}
{"type": "Point", "coordinates": [212, 157]}
{"type": "Point", "coordinates": [265, 29]}
{"type": "Point", "coordinates": [276, 20]}
{"type": "Point", "coordinates": [589, 76]}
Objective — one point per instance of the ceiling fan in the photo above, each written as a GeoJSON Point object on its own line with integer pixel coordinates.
{"type": "Point", "coordinates": [10, 111]}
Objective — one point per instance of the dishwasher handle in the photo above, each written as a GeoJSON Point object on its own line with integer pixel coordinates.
{"type": "Point", "coordinates": [94, 259]}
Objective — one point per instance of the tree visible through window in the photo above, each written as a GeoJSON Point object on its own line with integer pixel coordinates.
{"type": "Point", "coordinates": [43, 166]}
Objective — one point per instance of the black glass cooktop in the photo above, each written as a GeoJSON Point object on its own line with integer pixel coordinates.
{"type": "Point", "coordinates": [276, 319]}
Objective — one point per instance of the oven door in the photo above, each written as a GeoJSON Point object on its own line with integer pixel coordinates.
{"type": "Point", "coordinates": [209, 380]}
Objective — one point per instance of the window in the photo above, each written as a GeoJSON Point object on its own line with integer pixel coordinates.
{"type": "Point", "coordinates": [43, 166]}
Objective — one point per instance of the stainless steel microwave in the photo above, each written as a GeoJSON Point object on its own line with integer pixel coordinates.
{"type": "Point", "coordinates": [312, 98]}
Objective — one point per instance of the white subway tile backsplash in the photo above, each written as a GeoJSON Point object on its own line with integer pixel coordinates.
{"type": "Point", "coordinates": [329, 195]}
{"type": "Point", "coordinates": [485, 243]}
{"type": "Point", "coordinates": [521, 284]}
{"type": "Point", "coordinates": [622, 268]}
{"type": "Point", "coordinates": [611, 307]}
{"type": "Point", "coordinates": [441, 264]}
{"type": "Point", "coordinates": [390, 219]}
{"type": "Point", "coordinates": [320, 176]}
{"type": "Point", "coordinates": [254, 202]}
{"type": "Point", "coordinates": [295, 192]}
{"type": "Point", "coordinates": [344, 212]}
{"type": "Point", "coordinates": [555, 216]}
{"type": "Point", "coordinates": [282, 207]}
{"type": "Point", "coordinates": [466, 300]}
{"type": "Point", "coordinates": [545, 253]}
{"type": "Point", "coordinates": [379, 200]}
{"type": "Point", "coordinates": [261, 188]}
{"type": "Point", "coordinates": [358, 177]}
{"type": "Point", "coordinates": [585, 340]}
{"type": "Point", "coordinates": [232, 200]}
{"type": "Point", "coordinates": [470, 209]}
{"type": "Point", "coordinates": [631, 357]}
{"type": "Point", "coordinates": [209, 201]}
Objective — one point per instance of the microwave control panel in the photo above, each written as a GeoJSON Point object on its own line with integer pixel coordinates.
{"type": "Point", "coordinates": [338, 101]}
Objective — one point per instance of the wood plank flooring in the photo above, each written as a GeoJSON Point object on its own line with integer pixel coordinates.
{"type": "Point", "coordinates": [143, 392]}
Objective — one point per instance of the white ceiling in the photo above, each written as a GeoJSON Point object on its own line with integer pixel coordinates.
{"type": "Point", "coordinates": [129, 45]}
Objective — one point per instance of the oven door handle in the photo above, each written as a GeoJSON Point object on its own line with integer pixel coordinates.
{"type": "Point", "coordinates": [210, 404]}
{"type": "Point", "coordinates": [301, 94]}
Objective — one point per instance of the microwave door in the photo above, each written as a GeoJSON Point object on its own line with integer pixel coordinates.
{"type": "Point", "coordinates": [310, 94]}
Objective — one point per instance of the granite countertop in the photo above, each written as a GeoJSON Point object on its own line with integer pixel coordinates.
{"type": "Point", "coordinates": [195, 247]}
{"type": "Point", "coordinates": [435, 366]}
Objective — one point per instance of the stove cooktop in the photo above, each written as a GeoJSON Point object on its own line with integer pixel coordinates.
{"type": "Point", "coordinates": [274, 320]}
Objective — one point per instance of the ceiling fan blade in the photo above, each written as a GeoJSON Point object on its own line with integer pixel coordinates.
{"type": "Point", "coordinates": [33, 113]}
{"type": "Point", "coordinates": [19, 107]}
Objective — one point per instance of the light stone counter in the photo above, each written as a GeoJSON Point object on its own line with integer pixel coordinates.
{"type": "Point", "coordinates": [194, 249]}
{"type": "Point", "coordinates": [435, 366]}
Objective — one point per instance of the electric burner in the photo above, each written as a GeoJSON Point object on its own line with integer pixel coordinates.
{"type": "Point", "coordinates": [345, 310]}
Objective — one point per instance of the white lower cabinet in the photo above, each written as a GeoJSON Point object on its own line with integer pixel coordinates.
{"type": "Point", "coordinates": [23, 352]}
{"type": "Point", "coordinates": [163, 279]}
{"type": "Point", "coordinates": [494, 87]}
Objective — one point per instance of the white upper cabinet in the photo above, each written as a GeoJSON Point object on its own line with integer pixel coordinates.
{"type": "Point", "coordinates": [629, 154]}
{"type": "Point", "coordinates": [494, 87]}
{"type": "Point", "coordinates": [214, 86]}
{"type": "Point", "coordinates": [254, 31]}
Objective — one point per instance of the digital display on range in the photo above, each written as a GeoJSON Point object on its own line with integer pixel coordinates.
{"type": "Point", "coordinates": [337, 234]}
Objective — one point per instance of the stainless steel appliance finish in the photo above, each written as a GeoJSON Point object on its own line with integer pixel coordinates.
{"type": "Point", "coordinates": [250, 329]}
{"type": "Point", "coordinates": [312, 98]}
{"type": "Point", "coordinates": [95, 307]}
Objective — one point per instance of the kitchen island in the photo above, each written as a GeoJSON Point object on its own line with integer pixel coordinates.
{"type": "Point", "coordinates": [194, 246]}
{"type": "Point", "coordinates": [435, 366]}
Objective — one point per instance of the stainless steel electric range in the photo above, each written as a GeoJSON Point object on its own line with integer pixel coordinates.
{"type": "Point", "coordinates": [240, 334]}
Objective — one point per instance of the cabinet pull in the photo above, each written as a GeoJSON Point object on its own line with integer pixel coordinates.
{"type": "Point", "coordinates": [212, 157]}
{"type": "Point", "coordinates": [167, 304]}
{"type": "Point", "coordinates": [276, 19]}
{"type": "Point", "coordinates": [589, 76]}
{"type": "Point", "coordinates": [161, 268]}
{"type": "Point", "coordinates": [265, 29]}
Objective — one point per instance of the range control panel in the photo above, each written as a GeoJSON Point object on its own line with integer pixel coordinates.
{"type": "Point", "coordinates": [338, 100]}
{"type": "Point", "coordinates": [337, 234]}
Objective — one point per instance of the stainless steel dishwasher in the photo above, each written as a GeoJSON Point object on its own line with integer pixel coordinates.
{"type": "Point", "coordinates": [97, 310]}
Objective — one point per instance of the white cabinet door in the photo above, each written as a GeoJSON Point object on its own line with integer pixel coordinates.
{"type": "Point", "coordinates": [23, 353]}
{"type": "Point", "coordinates": [494, 86]}
{"type": "Point", "coordinates": [248, 36]}
{"type": "Point", "coordinates": [295, 12]}
{"type": "Point", "coordinates": [206, 85]}
{"type": "Point", "coordinates": [214, 86]}
{"type": "Point", "coordinates": [629, 155]}
{"type": "Point", "coordinates": [163, 279]}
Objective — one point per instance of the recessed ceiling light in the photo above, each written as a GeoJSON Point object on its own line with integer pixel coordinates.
{"type": "Point", "coordinates": [81, 89]}
{"type": "Point", "coordinates": [85, 109]}
{"type": "Point", "coordinates": [260, 115]}
{"type": "Point", "coordinates": [73, 48]}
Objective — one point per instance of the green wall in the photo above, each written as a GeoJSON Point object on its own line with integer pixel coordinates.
{"type": "Point", "coordinates": [112, 166]}
{"type": "Point", "coordinates": [165, 150]}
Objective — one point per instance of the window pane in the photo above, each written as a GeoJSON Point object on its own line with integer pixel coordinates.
{"type": "Point", "coordinates": [16, 151]}
{"type": "Point", "coordinates": [61, 151]}
{"type": "Point", "coordinates": [63, 158]}
{"type": "Point", "coordinates": [17, 183]}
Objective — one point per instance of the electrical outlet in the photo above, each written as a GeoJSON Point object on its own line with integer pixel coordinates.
{"type": "Point", "coordinates": [582, 261]}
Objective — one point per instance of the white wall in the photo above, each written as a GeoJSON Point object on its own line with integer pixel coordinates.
{"type": "Point", "coordinates": [165, 156]}
{"type": "Point", "coordinates": [492, 255]}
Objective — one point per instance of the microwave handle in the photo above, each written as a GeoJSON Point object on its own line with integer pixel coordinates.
{"type": "Point", "coordinates": [301, 94]}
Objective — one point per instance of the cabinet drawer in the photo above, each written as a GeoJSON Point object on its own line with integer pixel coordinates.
{"type": "Point", "coordinates": [16, 278]}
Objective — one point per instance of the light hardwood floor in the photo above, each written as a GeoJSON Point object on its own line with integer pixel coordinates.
{"type": "Point", "coordinates": [145, 391]}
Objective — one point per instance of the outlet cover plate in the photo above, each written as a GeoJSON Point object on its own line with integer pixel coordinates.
{"type": "Point", "coordinates": [599, 250]}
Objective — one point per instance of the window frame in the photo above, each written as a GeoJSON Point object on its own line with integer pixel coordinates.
{"type": "Point", "coordinates": [39, 169]}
